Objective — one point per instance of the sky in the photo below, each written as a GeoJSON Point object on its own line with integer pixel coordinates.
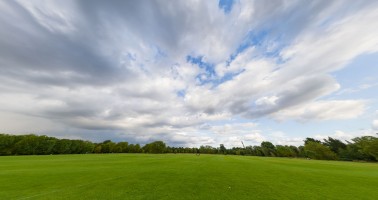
{"type": "Point", "coordinates": [190, 72]}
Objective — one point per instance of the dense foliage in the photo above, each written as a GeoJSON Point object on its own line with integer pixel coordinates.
{"type": "Point", "coordinates": [360, 148]}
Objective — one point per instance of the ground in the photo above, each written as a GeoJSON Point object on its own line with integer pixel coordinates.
{"type": "Point", "coordinates": [183, 176]}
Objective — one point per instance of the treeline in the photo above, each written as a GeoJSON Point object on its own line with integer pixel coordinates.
{"type": "Point", "coordinates": [44, 145]}
{"type": "Point", "coordinates": [360, 148]}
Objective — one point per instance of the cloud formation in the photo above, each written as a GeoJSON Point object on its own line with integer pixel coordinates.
{"type": "Point", "coordinates": [147, 70]}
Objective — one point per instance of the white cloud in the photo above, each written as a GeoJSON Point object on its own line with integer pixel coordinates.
{"type": "Point", "coordinates": [323, 110]}
{"type": "Point", "coordinates": [281, 138]}
{"type": "Point", "coordinates": [254, 137]}
{"type": "Point", "coordinates": [375, 124]}
{"type": "Point", "coordinates": [266, 101]}
{"type": "Point", "coordinates": [233, 129]}
{"type": "Point", "coordinates": [345, 135]}
{"type": "Point", "coordinates": [231, 134]}
{"type": "Point", "coordinates": [341, 135]}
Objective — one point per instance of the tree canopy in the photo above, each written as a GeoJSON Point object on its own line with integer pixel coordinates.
{"type": "Point", "coordinates": [359, 148]}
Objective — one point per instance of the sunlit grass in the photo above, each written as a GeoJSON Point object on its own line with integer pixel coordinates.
{"type": "Point", "coordinates": [170, 176]}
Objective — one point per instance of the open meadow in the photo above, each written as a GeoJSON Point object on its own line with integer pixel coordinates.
{"type": "Point", "coordinates": [183, 176]}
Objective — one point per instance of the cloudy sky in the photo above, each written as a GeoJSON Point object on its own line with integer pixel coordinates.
{"type": "Point", "coordinates": [189, 73]}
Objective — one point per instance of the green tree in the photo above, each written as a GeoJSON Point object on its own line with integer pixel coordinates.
{"type": "Point", "coordinates": [258, 151]}
{"type": "Point", "coordinates": [7, 143]}
{"type": "Point", "coordinates": [28, 145]}
{"type": "Point", "coordinates": [301, 152]}
{"type": "Point", "coordinates": [122, 147]}
{"type": "Point", "coordinates": [268, 148]}
{"type": "Point", "coordinates": [334, 144]}
{"type": "Point", "coordinates": [294, 150]}
{"type": "Point", "coordinates": [98, 148]}
{"type": "Point", "coordinates": [367, 146]}
{"type": "Point", "coordinates": [319, 151]}
{"type": "Point", "coordinates": [134, 148]}
{"type": "Point", "coordinates": [155, 147]}
{"type": "Point", "coordinates": [307, 140]}
{"type": "Point", "coordinates": [62, 146]}
{"type": "Point", "coordinates": [222, 149]}
{"type": "Point", "coordinates": [285, 151]}
{"type": "Point", "coordinates": [108, 146]}
{"type": "Point", "coordinates": [207, 149]}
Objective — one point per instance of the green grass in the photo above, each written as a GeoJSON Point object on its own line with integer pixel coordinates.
{"type": "Point", "coordinates": [143, 176]}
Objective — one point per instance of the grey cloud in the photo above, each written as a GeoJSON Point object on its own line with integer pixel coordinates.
{"type": "Point", "coordinates": [307, 88]}
{"type": "Point", "coordinates": [164, 24]}
{"type": "Point", "coordinates": [35, 54]}
{"type": "Point", "coordinates": [296, 92]}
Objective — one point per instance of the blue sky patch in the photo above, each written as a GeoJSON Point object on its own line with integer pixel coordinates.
{"type": "Point", "coordinates": [261, 40]}
{"type": "Point", "coordinates": [209, 76]}
{"type": "Point", "coordinates": [226, 5]}
{"type": "Point", "coordinates": [181, 93]}
{"type": "Point", "coordinates": [208, 67]}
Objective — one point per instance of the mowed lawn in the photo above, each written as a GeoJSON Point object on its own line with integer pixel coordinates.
{"type": "Point", "coordinates": [183, 176]}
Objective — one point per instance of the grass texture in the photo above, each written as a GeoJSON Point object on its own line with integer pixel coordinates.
{"type": "Point", "coordinates": [183, 176]}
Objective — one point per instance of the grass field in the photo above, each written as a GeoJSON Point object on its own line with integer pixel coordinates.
{"type": "Point", "coordinates": [143, 176]}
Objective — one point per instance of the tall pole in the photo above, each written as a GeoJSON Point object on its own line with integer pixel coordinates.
{"type": "Point", "coordinates": [245, 150]}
